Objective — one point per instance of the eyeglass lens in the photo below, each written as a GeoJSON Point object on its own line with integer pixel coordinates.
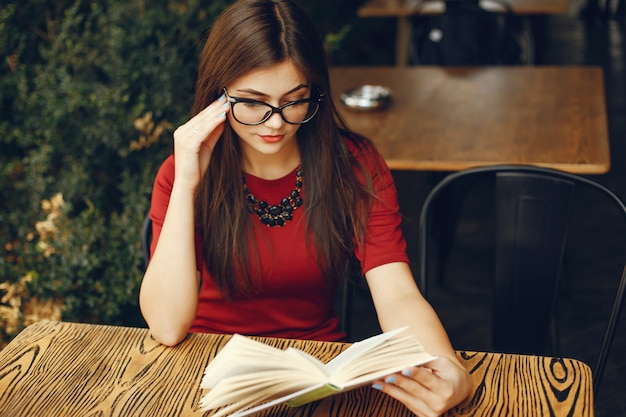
{"type": "Point", "coordinates": [256, 112]}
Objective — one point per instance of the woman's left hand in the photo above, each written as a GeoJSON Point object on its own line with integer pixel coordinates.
{"type": "Point", "coordinates": [431, 389]}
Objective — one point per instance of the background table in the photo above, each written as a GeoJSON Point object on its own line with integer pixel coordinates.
{"type": "Point", "coordinates": [404, 9]}
{"type": "Point", "coordinates": [395, 8]}
{"type": "Point", "coordinates": [68, 369]}
{"type": "Point", "coordinates": [448, 119]}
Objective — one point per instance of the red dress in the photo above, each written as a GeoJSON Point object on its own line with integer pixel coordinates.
{"type": "Point", "coordinates": [295, 301]}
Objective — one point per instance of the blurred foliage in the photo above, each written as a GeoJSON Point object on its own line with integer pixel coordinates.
{"type": "Point", "coordinates": [90, 92]}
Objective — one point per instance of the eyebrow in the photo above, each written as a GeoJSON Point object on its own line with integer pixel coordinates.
{"type": "Point", "coordinates": [258, 93]}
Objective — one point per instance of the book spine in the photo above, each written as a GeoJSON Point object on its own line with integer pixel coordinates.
{"type": "Point", "coordinates": [317, 394]}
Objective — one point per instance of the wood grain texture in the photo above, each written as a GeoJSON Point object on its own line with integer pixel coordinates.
{"type": "Point", "coordinates": [448, 119]}
{"type": "Point", "coordinates": [524, 385]}
{"type": "Point", "coordinates": [69, 369]}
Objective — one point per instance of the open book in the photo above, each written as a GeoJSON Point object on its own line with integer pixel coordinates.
{"type": "Point", "coordinates": [247, 376]}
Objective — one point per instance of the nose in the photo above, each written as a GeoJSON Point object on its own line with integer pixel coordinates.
{"type": "Point", "coordinates": [275, 121]}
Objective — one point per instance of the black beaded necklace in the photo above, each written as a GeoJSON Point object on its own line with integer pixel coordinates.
{"type": "Point", "coordinates": [277, 214]}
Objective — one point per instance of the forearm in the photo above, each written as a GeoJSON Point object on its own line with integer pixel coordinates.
{"type": "Point", "coordinates": [399, 303]}
{"type": "Point", "coordinates": [424, 324]}
{"type": "Point", "coordinates": [435, 386]}
{"type": "Point", "coordinates": [169, 290]}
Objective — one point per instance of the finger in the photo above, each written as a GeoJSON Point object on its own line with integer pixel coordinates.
{"type": "Point", "coordinates": [216, 109]}
{"type": "Point", "coordinates": [195, 140]}
{"type": "Point", "coordinates": [426, 377]}
{"type": "Point", "coordinates": [417, 400]}
{"type": "Point", "coordinates": [442, 367]}
{"type": "Point", "coordinates": [203, 125]}
{"type": "Point", "coordinates": [417, 382]}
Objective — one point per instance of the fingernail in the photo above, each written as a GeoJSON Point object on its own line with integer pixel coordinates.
{"type": "Point", "coordinates": [222, 97]}
{"type": "Point", "coordinates": [222, 115]}
{"type": "Point", "coordinates": [390, 379]}
{"type": "Point", "coordinates": [407, 372]}
{"type": "Point", "coordinates": [225, 105]}
{"type": "Point", "coordinates": [377, 386]}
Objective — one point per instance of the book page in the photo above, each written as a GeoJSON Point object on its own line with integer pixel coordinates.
{"type": "Point", "coordinates": [247, 376]}
{"type": "Point", "coordinates": [313, 395]}
{"type": "Point", "coordinates": [257, 388]}
{"type": "Point", "coordinates": [316, 363]}
{"type": "Point", "coordinates": [257, 401]}
{"type": "Point", "coordinates": [276, 401]}
{"type": "Point", "coordinates": [360, 348]}
{"type": "Point", "coordinates": [384, 369]}
{"type": "Point", "coordinates": [242, 355]}
{"type": "Point", "coordinates": [393, 356]}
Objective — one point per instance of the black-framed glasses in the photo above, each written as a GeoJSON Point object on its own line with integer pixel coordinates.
{"type": "Point", "coordinates": [254, 112]}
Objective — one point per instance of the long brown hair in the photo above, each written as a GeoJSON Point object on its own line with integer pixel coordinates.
{"type": "Point", "coordinates": [254, 34]}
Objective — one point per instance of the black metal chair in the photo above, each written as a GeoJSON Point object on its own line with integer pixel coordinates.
{"type": "Point", "coordinates": [470, 32]}
{"type": "Point", "coordinates": [531, 213]}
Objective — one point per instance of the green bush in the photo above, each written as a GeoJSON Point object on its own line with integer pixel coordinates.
{"type": "Point", "coordinates": [89, 94]}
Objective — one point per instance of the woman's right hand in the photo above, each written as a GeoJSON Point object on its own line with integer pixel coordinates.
{"type": "Point", "coordinates": [194, 142]}
{"type": "Point", "coordinates": [169, 290]}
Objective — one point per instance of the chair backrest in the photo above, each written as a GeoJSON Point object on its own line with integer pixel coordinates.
{"type": "Point", "coordinates": [470, 32]}
{"type": "Point", "coordinates": [531, 216]}
{"type": "Point", "coordinates": [532, 207]}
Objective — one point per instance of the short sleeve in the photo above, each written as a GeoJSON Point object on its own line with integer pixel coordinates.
{"type": "Point", "coordinates": [161, 192]}
{"type": "Point", "coordinates": [384, 242]}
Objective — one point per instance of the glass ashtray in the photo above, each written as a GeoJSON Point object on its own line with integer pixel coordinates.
{"type": "Point", "coordinates": [367, 97]}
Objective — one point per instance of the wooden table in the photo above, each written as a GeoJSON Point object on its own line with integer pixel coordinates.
{"type": "Point", "coordinates": [67, 369]}
{"type": "Point", "coordinates": [448, 119]}
{"type": "Point", "coordinates": [404, 9]}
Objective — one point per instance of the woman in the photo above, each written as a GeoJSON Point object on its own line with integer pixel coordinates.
{"type": "Point", "coordinates": [266, 199]}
